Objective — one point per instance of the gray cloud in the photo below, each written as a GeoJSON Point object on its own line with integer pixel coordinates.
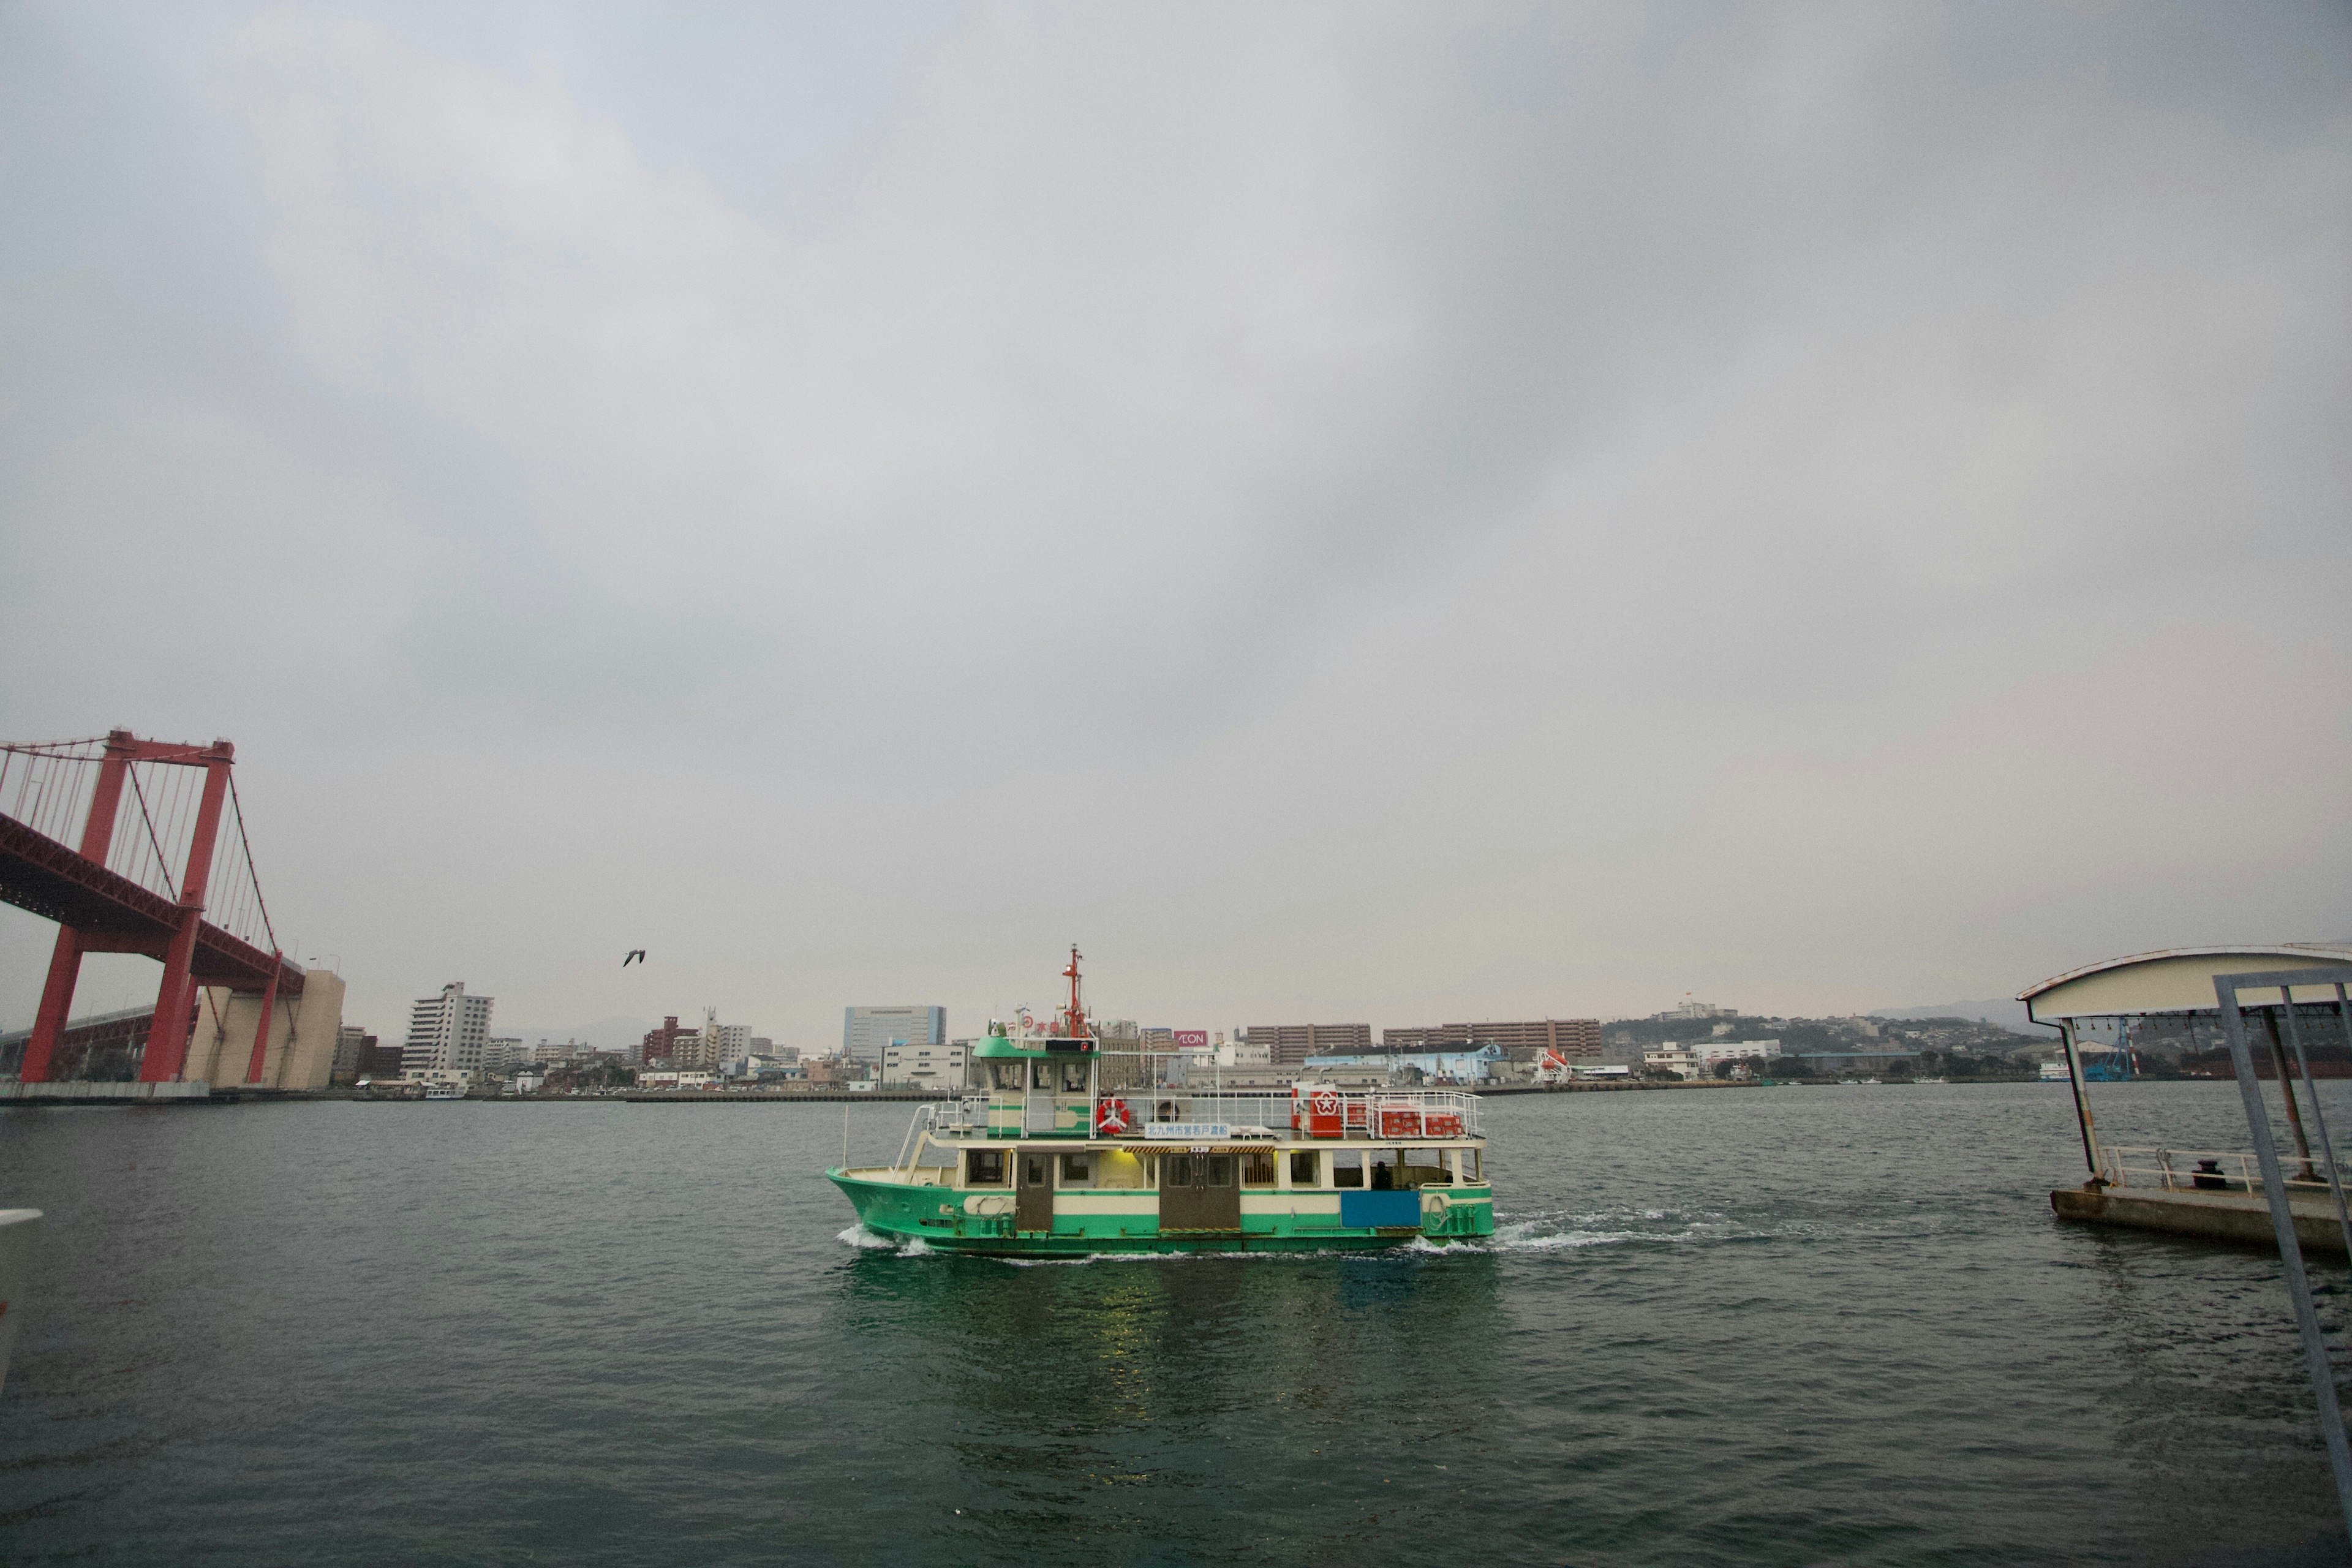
{"type": "Point", "coordinates": [1367, 510]}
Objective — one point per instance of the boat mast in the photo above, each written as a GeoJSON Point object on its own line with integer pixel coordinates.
{"type": "Point", "coordinates": [1077, 1015]}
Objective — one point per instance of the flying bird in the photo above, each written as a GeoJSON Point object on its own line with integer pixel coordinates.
{"type": "Point", "coordinates": [636, 955]}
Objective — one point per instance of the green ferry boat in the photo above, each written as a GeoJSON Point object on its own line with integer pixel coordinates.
{"type": "Point", "coordinates": [1074, 1150]}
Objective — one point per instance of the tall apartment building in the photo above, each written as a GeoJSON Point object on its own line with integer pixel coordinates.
{"type": "Point", "coordinates": [447, 1033]}
{"type": "Point", "coordinates": [662, 1045]}
{"type": "Point", "coordinates": [867, 1032]}
{"type": "Point", "coordinates": [351, 1045]}
{"type": "Point", "coordinates": [1567, 1038]}
{"type": "Point", "coordinates": [1288, 1045]}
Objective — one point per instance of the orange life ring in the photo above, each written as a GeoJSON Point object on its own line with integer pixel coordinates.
{"type": "Point", "coordinates": [1111, 1117]}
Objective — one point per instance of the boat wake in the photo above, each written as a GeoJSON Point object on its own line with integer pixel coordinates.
{"type": "Point", "coordinates": [866, 1240]}
{"type": "Point", "coordinates": [1568, 1233]}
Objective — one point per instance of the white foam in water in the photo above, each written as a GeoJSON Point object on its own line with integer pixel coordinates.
{"type": "Point", "coordinates": [859, 1236]}
{"type": "Point", "coordinates": [1567, 1232]}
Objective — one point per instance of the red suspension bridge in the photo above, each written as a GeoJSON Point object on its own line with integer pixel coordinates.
{"type": "Point", "coordinates": [136, 845]}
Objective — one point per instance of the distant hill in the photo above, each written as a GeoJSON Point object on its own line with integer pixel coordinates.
{"type": "Point", "coordinates": [604, 1034]}
{"type": "Point", "coordinates": [2005, 1011]}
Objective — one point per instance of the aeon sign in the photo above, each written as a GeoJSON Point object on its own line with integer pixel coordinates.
{"type": "Point", "coordinates": [1191, 1040]}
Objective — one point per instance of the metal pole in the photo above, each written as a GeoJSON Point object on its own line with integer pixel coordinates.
{"type": "Point", "coordinates": [2286, 1087]}
{"type": "Point", "coordinates": [2082, 1100]}
{"type": "Point", "coordinates": [2319, 1116]}
{"type": "Point", "coordinates": [2298, 1285]}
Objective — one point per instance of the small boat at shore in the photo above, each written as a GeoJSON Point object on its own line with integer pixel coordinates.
{"type": "Point", "coordinates": [1072, 1150]}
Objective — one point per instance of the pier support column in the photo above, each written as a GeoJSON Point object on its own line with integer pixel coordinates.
{"type": "Point", "coordinates": [2082, 1100]}
{"type": "Point", "coordinates": [2286, 1087]}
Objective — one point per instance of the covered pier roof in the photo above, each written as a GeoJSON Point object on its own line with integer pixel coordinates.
{"type": "Point", "coordinates": [2169, 980]}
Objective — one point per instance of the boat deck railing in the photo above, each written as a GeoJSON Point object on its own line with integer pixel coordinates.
{"type": "Point", "coordinates": [1358, 1115]}
{"type": "Point", "coordinates": [2194, 1170]}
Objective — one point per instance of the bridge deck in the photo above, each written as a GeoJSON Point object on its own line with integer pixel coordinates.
{"type": "Point", "coordinates": [116, 914]}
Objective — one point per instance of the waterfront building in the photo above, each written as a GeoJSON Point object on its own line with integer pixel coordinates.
{"type": "Point", "coordinates": [448, 1033]}
{"type": "Point", "coordinates": [1678, 1059]}
{"type": "Point", "coordinates": [350, 1040]}
{"type": "Point", "coordinates": [502, 1055]}
{"type": "Point", "coordinates": [867, 1032]}
{"type": "Point", "coordinates": [1474, 1065]}
{"type": "Point", "coordinates": [1290, 1044]}
{"type": "Point", "coordinates": [1523, 1040]}
{"type": "Point", "coordinates": [942, 1066]}
{"type": "Point", "coordinates": [1713, 1051]}
{"type": "Point", "coordinates": [662, 1045]}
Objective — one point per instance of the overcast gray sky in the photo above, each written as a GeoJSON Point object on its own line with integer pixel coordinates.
{"type": "Point", "coordinates": [1385, 513]}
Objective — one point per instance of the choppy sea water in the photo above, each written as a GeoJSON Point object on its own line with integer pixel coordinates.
{"type": "Point", "coordinates": [1773, 1326]}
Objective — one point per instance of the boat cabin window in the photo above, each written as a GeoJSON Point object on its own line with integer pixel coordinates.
{"type": "Point", "coordinates": [1257, 1168]}
{"type": "Point", "coordinates": [1347, 1167]}
{"type": "Point", "coordinates": [1177, 1170]}
{"type": "Point", "coordinates": [1468, 1160]}
{"type": "Point", "coordinates": [1041, 1075]}
{"type": "Point", "coordinates": [1303, 1168]}
{"type": "Point", "coordinates": [984, 1168]}
{"type": "Point", "coordinates": [1220, 1173]}
{"type": "Point", "coordinates": [1010, 1075]}
{"type": "Point", "coordinates": [1074, 1077]}
{"type": "Point", "coordinates": [1036, 1168]}
{"type": "Point", "coordinates": [1077, 1170]}
{"type": "Point", "coordinates": [1424, 1168]}
{"type": "Point", "coordinates": [1384, 1170]}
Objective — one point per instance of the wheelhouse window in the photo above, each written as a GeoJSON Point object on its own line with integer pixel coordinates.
{"type": "Point", "coordinates": [1257, 1168]}
{"type": "Point", "coordinates": [1424, 1168]}
{"type": "Point", "coordinates": [1074, 1077]}
{"type": "Point", "coordinates": [1306, 1168]}
{"type": "Point", "coordinates": [1347, 1167]}
{"type": "Point", "coordinates": [1041, 1075]}
{"type": "Point", "coordinates": [1008, 1075]}
{"type": "Point", "coordinates": [1077, 1170]}
{"type": "Point", "coordinates": [1176, 1170]}
{"type": "Point", "coordinates": [1036, 1168]}
{"type": "Point", "coordinates": [984, 1168]}
{"type": "Point", "coordinates": [1220, 1173]}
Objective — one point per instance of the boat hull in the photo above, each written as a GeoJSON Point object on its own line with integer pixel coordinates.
{"type": "Point", "coordinates": [943, 1217]}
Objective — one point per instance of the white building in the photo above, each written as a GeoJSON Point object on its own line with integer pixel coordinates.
{"type": "Point", "coordinates": [449, 1033]}
{"type": "Point", "coordinates": [939, 1065]}
{"type": "Point", "coordinates": [867, 1032]}
{"type": "Point", "coordinates": [1674, 1058]}
{"type": "Point", "coordinates": [502, 1055]}
{"type": "Point", "coordinates": [1714, 1051]}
